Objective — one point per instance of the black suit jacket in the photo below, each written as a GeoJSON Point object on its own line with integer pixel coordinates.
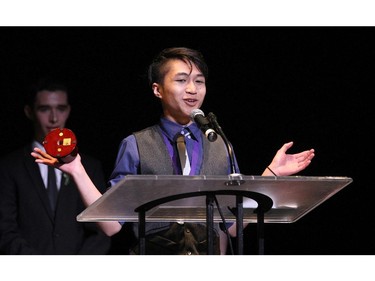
{"type": "Point", "coordinates": [27, 225]}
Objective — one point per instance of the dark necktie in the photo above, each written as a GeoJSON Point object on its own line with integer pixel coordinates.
{"type": "Point", "coordinates": [182, 152]}
{"type": "Point", "coordinates": [52, 187]}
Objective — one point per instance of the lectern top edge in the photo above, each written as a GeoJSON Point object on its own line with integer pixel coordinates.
{"type": "Point", "coordinates": [292, 196]}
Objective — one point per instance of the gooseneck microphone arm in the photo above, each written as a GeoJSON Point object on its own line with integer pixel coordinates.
{"type": "Point", "coordinates": [237, 180]}
{"type": "Point", "coordinates": [213, 120]}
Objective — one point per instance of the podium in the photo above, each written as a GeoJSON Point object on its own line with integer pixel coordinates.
{"type": "Point", "coordinates": [239, 198]}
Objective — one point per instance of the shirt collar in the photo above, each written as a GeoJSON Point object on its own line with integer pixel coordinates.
{"type": "Point", "coordinates": [38, 145]}
{"type": "Point", "coordinates": [171, 128]}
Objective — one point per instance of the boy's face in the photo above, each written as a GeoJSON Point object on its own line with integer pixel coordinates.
{"type": "Point", "coordinates": [182, 90]}
{"type": "Point", "coordinates": [51, 110]}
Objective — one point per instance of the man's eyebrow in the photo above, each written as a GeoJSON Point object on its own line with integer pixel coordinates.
{"type": "Point", "coordinates": [48, 105]}
{"type": "Point", "coordinates": [188, 74]}
{"type": "Point", "coordinates": [182, 73]}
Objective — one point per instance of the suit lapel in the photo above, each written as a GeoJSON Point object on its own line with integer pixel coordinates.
{"type": "Point", "coordinates": [37, 181]}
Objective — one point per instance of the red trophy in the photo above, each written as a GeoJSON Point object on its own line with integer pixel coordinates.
{"type": "Point", "coordinates": [62, 144]}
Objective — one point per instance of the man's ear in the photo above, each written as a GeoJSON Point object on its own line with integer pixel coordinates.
{"type": "Point", "coordinates": [69, 109]}
{"type": "Point", "coordinates": [28, 112]}
{"type": "Point", "coordinates": [155, 89]}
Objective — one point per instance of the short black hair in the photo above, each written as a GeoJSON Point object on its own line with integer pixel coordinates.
{"type": "Point", "coordinates": [156, 71]}
{"type": "Point", "coordinates": [44, 84]}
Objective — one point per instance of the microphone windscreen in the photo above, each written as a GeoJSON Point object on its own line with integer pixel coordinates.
{"type": "Point", "coordinates": [196, 112]}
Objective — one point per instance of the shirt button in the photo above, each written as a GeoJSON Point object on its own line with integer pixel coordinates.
{"type": "Point", "coordinates": [187, 230]}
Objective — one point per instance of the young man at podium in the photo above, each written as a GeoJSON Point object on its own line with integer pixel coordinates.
{"type": "Point", "coordinates": [177, 77]}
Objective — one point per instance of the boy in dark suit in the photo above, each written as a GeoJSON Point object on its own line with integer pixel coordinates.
{"type": "Point", "coordinates": [28, 223]}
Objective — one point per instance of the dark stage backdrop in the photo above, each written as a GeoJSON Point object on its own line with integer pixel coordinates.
{"type": "Point", "coordinates": [267, 86]}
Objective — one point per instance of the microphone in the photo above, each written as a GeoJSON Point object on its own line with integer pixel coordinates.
{"type": "Point", "coordinates": [198, 117]}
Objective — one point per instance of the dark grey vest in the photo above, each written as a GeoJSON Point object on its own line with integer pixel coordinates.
{"type": "Point", "coordinates": [173, 238]}
{"type": "Point", "coordinates": [154, 157]}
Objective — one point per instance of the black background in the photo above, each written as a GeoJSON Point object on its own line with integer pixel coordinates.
{"type": "Point", "coordinates": [267, 86]}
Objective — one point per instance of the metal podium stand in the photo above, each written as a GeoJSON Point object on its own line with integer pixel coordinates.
{"type": "Point", "coordinates": [170, 198]}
